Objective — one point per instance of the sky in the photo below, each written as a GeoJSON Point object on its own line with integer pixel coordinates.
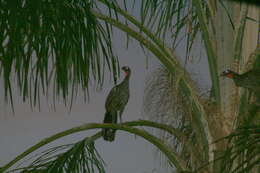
{"type": "Point", "coordinates": [128, 153]}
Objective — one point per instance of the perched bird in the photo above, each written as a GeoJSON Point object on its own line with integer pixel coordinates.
{"type": "Point", "coordinates": [115, 104]}
{"type": "Point", "coordinates": [249, 80]}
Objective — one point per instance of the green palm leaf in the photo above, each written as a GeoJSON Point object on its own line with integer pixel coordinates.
{"type": "Point", "coordinates": [242, 154]}
{"type": "Point", "coordinates": [75, 158]}
{"type": "Point", "coordinates": [60, 41]}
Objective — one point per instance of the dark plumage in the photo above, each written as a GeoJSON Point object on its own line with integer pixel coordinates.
{"type": "Point", "coordinates": [249, 80]}
{"type": "Point", "coordinates": [115, 104]}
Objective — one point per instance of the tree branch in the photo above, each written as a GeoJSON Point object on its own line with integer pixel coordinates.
{"type": "Point", "coordinates": [171, 155]}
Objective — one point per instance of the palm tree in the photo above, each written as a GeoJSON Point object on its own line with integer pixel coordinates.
{"type": "Point", "coordinates": [65, 43]}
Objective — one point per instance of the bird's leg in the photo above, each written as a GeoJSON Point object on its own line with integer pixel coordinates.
{"type": "Point", "coordinates": [114, 118]}
{"type": "Point", "coordinates": [120, 116]}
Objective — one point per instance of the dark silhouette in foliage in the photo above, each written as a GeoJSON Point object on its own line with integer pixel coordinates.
{"type": "Point", "coordinates": [115, 104]}
{"type": "Point", "coordinates": [249, 80]}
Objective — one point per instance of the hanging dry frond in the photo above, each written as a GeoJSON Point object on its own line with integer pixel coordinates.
{"type": "Point", "coordinates": [163, 102]}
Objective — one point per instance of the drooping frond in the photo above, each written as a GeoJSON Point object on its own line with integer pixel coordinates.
{"type": "Point", "coordinates": [242, 154]}
{"type": "Point", "coordinates": [171, 18]}
{"type": "Point", "coordinates": [53, 41]}
{"type": "Point", "coordinates": [163, 102]}
{"type": "Point", "coordinates": [55, 155]}
{"type": "Point", "coordinates": [75, 158]}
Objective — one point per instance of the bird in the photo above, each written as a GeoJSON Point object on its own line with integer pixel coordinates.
{"type": "Point", "coordinates": [115, 104]}
{"type": "Point", "coordinates": [249, 80]}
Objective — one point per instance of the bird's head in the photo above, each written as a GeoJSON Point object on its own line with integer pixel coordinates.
{"type": "Point", "coordinates": [127, 70]}
{"type": "Point", "coordinates": [228, 73]}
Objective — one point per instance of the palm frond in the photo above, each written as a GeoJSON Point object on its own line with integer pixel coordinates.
{"type": "Point", "coordinates": [161, 98]}
{"type": "Point", "coordinates": [163, 102]}
{"type": "Point", "coordinates": [240, 33]}
{"type": "Point", "coordinates": [61, 41]}
{"type": "Point", "coordinates": [209, 45]}
{"type": "Point", "coordinates": [75, 158]}
{"type": "Point", "coordinates": [173, 156]}
{"type": "Point", "coordinates": [242, 154]}
{"type": "Point", "coordinates": [165, 14]}
{"type": "Point", "coordinates": [175, 18]}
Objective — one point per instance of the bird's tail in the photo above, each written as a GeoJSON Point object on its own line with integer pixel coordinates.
{"type": "Point", "coordinates": [109, 134]}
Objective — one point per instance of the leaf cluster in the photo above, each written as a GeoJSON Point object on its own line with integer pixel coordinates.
{"type": "Point", "coordinates": [165, 102]}
{"type": "Point", "coordinates": [75, 158]}
{"type": "Point", "coordinates": [176, 19]}
{"type": "Point", "coordinates": [242, 154]}
{"type": "Point", "coordinates": [55, 42]}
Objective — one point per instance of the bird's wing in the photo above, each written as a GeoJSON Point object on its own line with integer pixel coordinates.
{"type": "Point", "coordinates": [254, 77]}
{"type": "Point", "coordinates": [111, 97]}
{"type": "Point", "coordinates": [116, 99]}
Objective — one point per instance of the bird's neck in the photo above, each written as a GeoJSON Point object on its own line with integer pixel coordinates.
{"type": "Point", "coordinates": [234, 75]}
{"type": "Point", "coordinates": [126, 80]}
{"type": "Point", "coordinates": [127, 76]}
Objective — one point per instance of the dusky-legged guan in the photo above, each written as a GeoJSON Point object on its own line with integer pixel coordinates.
{"type": "Point", "coordinates": [115, 104]}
